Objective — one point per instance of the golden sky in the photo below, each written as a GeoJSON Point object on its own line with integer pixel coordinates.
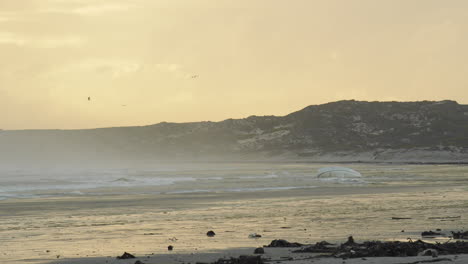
{"type": "Point", "coordinates": [147, 61]}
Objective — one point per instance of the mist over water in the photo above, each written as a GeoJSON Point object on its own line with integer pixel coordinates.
{"type": "Point", "coordinates": [212, 177]}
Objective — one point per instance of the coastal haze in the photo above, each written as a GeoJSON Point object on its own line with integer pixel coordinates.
{"type": "Point", "coordinates": [138, 126]}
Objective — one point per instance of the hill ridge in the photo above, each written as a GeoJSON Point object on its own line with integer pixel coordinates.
{"type": "Point", "coordinates": [343, 130]}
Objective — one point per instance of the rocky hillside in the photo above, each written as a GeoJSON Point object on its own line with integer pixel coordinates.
{"type": "Point", "coordinates": [338, 131]}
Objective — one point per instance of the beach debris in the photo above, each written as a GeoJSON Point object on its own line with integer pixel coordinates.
{"type": "Point", "coordinates": [170, 248]}
{"type": "Point", "coordinates": [387, 249]}
{"type": "Point", "coordinates": [401, 218]}
{"type": "Point", "coordinates": [259, 250]}
{"type": "Point", "coordinates": [431, 233]}
{"type": "Point", "coordinates": [319, 247]}
{"type": "Point", "coordinates": [460, 235]}
{"type": "Point", "coordinates": [241, 260]}
{"type": "Point", "coordinates": [210, 233]}
{"type": "Point", "coordinates": [378, 249]}
{"type": "Point", "coordinates": [126, 255]}
{"type": "Point", "coordinates": [283, 243]}
{"type": "Point", "coordinates": [254, 235]}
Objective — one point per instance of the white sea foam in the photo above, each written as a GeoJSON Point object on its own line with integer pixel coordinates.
{"type": "Point", "coordinates": [267, 188]}
{"type": "Point", "coordinates": [342, 180]}
{"type": "Point", "coordinates": [211, 179]}
{"type": "Point", "coordinates": [253, 189]}
{"type": "Point", "coordinates": [269, 176]}
{"type": "Point", "coordinates": [193, 178]}
{"type": "Point", "coordinates": [19, 184]}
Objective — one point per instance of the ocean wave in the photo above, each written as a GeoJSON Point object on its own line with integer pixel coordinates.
{"type": "Point", "coordinates": [35, 186]}
{"type": "Point", "coordinates": [269, 176]}
{"type": "Point", "coordinates": [248, 189]}
{"type": "Point", "coordinates": [343, 180]}
{"type": "Point", "coordinates": [255, 189]}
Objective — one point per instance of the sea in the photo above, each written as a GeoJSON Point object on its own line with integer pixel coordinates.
{"type": "Point", "coordinates": [236, 177]}
{"type": "Point", "coordinates": [97, 213]}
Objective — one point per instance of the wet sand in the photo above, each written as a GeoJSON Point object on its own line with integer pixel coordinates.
{"type": "Point", "coordinates": [97, 229]}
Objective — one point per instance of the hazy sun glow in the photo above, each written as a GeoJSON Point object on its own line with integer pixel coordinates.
{"type": "Point", "coordinates": [147, 61]}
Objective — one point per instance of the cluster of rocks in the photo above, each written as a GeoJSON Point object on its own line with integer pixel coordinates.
{"type": "Point", "coordinates": [431, 233]}
{"type": "Point", "coordinates": [460, 235]}
{"type": "Point", "coordinates": [126, 255]}
{"type": "Point", "coordinates": [455, 234]}
{"type": "Point", "coordinates": [351, 249]}
{"type": "Point", "coordinates": [239, 260]}
{"type": "Point", "coordinates": [283, 243]}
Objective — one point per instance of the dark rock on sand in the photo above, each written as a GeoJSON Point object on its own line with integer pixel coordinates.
{"type": "Point", "coordinates": [378, 249]}
{"type": "Point", "coordinates": [350, 241]}
{"type": "Point", "coordinates": [259, 251]}
{"type": "Point", "coordinates": [460, 235]}
{"type": "Point", "coordinates": [126, 255]}
{"type": "Point", "coordinates": [170, 248]}
{"type": "Point", "coordinates": [241, 260]}
{"type": "Point", "coordinates": [390, 249]}
{"type": "Point", "coordinates": [283, 243]}
{"type": "Point", "coordinates": [431, 234]}
{"type": "Point", "coordinates": [319, 247]}
{"type": "Point", "coordinates": [210, 233]}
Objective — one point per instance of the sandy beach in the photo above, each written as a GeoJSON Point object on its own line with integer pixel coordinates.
{"type": "Point", "coordinates": [89, 230]}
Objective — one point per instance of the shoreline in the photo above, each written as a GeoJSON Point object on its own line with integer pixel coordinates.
{"type": "Point", "coordinates": [96, 229]}
{"type": "Point", "coordinates": [278, 255]}
{"type": "Point", "coordinates": [93, 231]}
